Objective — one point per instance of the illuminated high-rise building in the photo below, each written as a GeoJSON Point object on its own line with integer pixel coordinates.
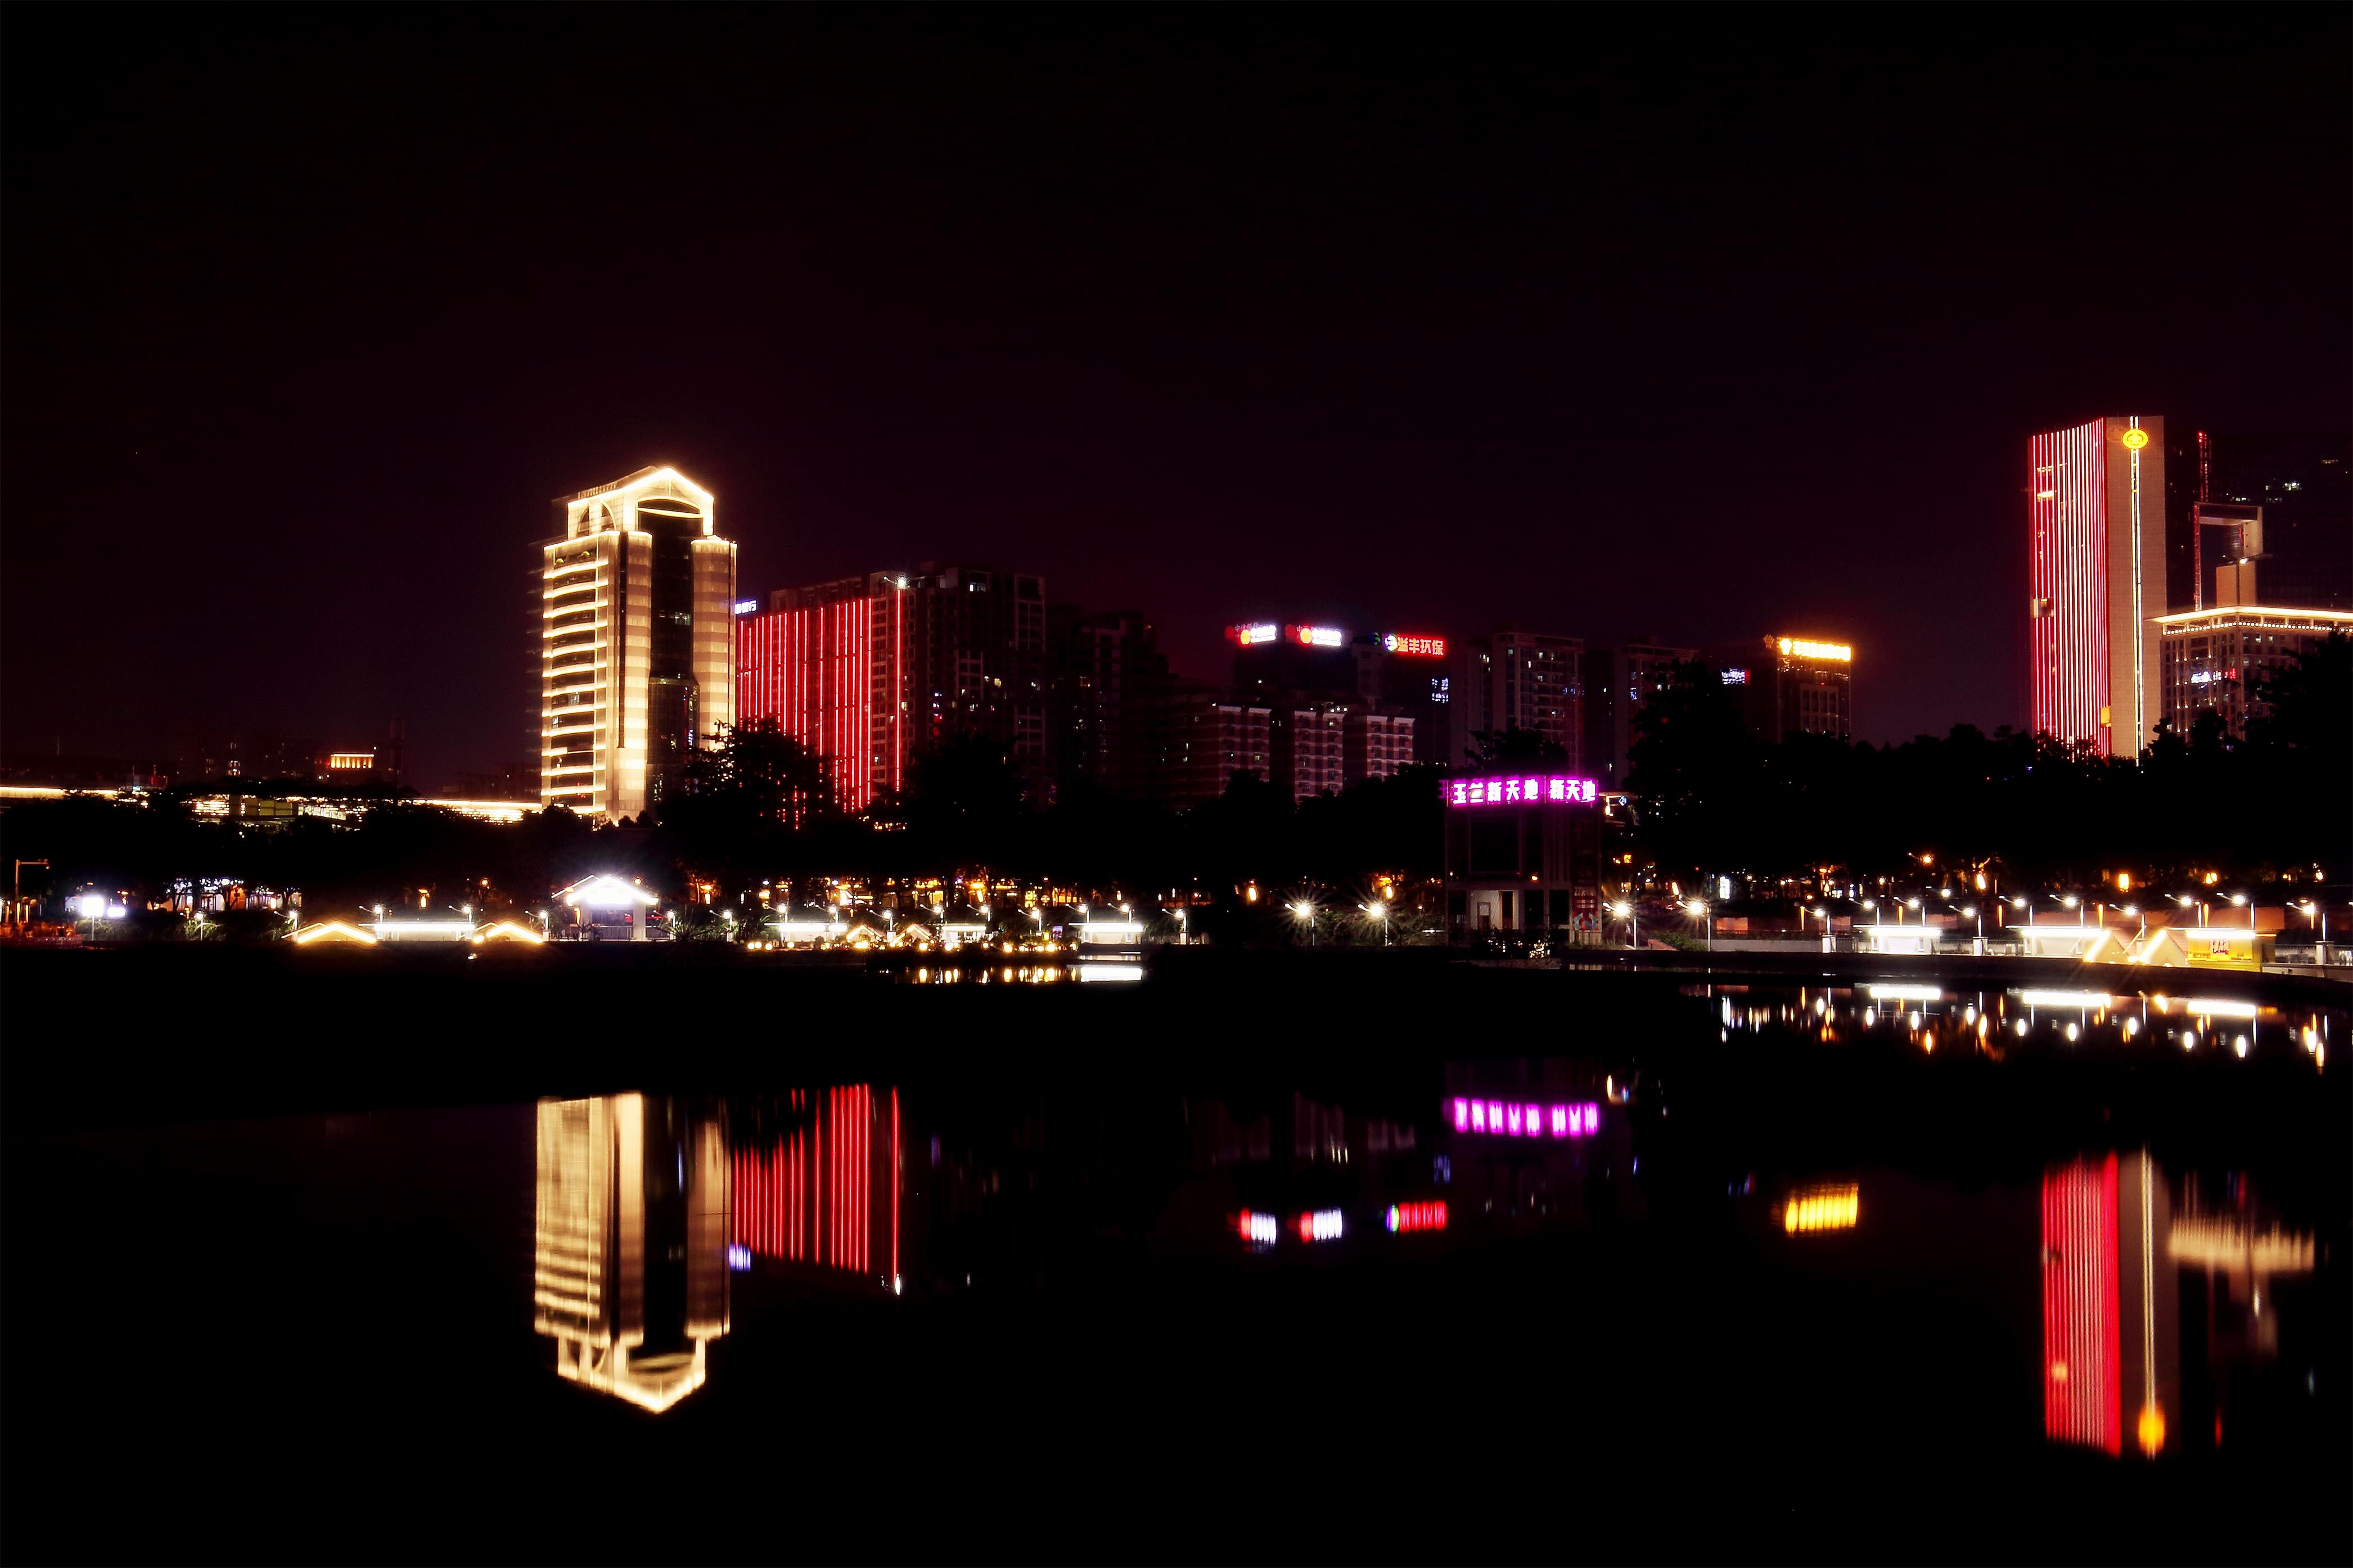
{"type": "Point", "coordinates": [2097, 530]}
{"type": "Point", "coordinates": [1518, 680]}
{"type": "Point", "coordinates": [827, 665]}
{"type": "Point", "coordinates": [636, 642]}
{"type": "Point", "coordinates": [631, 1271]}
{"type": "Point", "coordinates": [1792, 686]}
{"type": "Point", "coordinates": [1619, 684]}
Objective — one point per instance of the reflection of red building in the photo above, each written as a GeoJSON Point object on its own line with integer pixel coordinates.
{"type": "Point", "coordinates": [826, 1192]}
{"type": "Point", "coordinates": [2110, 1340]}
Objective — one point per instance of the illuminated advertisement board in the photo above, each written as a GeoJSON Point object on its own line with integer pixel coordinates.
{"type": "Point", "coordinates": [1514, 1118]}
{"type": "Point", "coordinates": [1801, 648]}
{"type": "Point", "coordinates": [1316, 637]}
{"type": "Point", "coordinates": [1527, 789]}
{"type": "Point", "coordinates": [1414, 646]}
{"type": "Point", "coordinates": [1252, 636]}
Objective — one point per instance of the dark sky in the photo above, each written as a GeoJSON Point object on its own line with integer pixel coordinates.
{"type": "Point", "coordinates": [1692, 323]}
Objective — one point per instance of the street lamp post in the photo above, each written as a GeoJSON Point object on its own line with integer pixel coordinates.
{"type": "Point", "coordinates": [1698, 907]}
{"type": "Point", "coordinates": [2241, 898]}
{"type": "Point", "coordinates": [1305, 912]}
{"type": "Point", "coordinates": [1624, 910]}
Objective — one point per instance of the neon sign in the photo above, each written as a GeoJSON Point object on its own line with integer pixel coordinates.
{"type": "Point", "coordinates": [1529, 789]}
{"type": "Point", "coordinates": [1320, 1225]}
{"type": "Point", "coordinates": [1316, 637]}
{"type": "Point", "coordinates": [1418, 647]}
{"type": "Point", "coordinates": [1258, 1229]}
{"type": "Point", "coordinates": [2134, 440]}
{"type": "Point", "coordinates": [1251, 636]}
{"type": "Point", "coordinates": [1405, 1218]}
{"type": "Point", "coordinates": [1513, 1119]}
{"type": "Point", "coordinates": [1800, 648]}
{"type": "Point", "coordinates": [748, 607]}
{"type": "Point", "coordinates": [1735, 678]}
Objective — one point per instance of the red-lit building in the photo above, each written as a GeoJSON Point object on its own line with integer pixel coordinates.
{"type": "Point", "coordinates": [2097, 532]}
{"type": "Point", "coordinates": [827, 665]}
{"type": "Point", "coordinates": [821, 1185]}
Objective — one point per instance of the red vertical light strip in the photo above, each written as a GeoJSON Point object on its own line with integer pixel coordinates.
{"type": "Point", "coordinates": [895, 1183]}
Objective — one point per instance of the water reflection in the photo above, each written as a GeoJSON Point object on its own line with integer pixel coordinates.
{"type": "Point", "coordinates": [2115, 1254]}
{"type": "Point", "coordinates": [818, 1182]}
{"type": "Point", "coordinates": [629, 1272]}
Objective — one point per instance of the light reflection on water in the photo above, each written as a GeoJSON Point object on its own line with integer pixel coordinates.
{"type": "Point", "coordinates": [652, 1209]}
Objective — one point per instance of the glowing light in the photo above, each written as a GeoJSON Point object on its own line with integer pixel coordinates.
{"type": "Point", "coordinates": [1316, 637]}
{"type": "Point", "coordinates": [1801, 648]}
{"type": "Point", "coordinates": [1528, 789]}
{"type": "Point", "coordinates": [332, 930]}
{"type": "Point", "coordinates": [2134, 440]}
{"type": "Point", "coordinates": [2065, 998]}
{"type": "Point", "coordinates": [507, 931]}
{"type": "Point", "coordinates": [607, 892]}
{"type": "Point", "coordinates": [739, 1257]}
{"type": "Point", "coordinates": [2215, 1007]}
{"type": "Point", "coordinates": [1906, 993]}
{"type": "Point", "coordinates": [1320, 1225]}
{"type": "Point", "coordinates": [1526, 1121]}
{"type": "Point", "coordinates": [1404, 1218]}
{"type": "Point", "coordinates": [748, 607]}
{"type": "Point", "coordinates": [1822, 1209]}
{"type": "Point", "coordinates": [1418, 647]}
{"type": "Point", "coordinates": [2151, 1429]}
{"type": "Point", "coordinates": [1252, 636]}
{"type": "Point", "coordinates": [1258, 1229]}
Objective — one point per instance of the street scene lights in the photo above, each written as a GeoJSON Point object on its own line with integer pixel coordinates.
{"type": "Point", "coordinates": [1698, 907]}
{"type": "Point", "coordinates": [1305, 914]}
{"type": "Point", "coordinates": [2240, 899]}
{"type": "Point", "coordinates": [1624, 910]}
{"type": "Point", "coordinates": [2313, 911]}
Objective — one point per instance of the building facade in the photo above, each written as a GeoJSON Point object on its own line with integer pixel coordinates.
{"type": "Point", "coordinates": [1523, 857]}
{"type": "Point", "coordinates": [1107, 675]}
{"type": "Point", "coordinates": [1409, 675]}
{"type": "Point", "coordinates": [827, 664]}
{"type": "Point", "coordinates": [1619, 684]}
{"type": "Point", "coordinates": [2218, 660]}
{"type": "Point", "coordinates": [2301, 486]}
{"type": "Point", "coordinates": [2096, 526]}
{"type": "Point", "coordinates": [1517, 680]}
{"type": "Point", "coordinates": [1307, 746]}
{"type": "Point", "coordinates": [636, 663]}
{"type": "Point", "coordinates": [1376, 744]}
{"type": "Point", "coordinates": [1793, 686]}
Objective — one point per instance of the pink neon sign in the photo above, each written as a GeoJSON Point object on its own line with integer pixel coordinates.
{"type": "Point", "coordinates": [1528, 789]}
{"type": "Point", "coordinates": [1514, 1119]}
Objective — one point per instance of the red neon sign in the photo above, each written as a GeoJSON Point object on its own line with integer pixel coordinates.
{"type": "Point", "coordinates": [1404, 1217]}
{"type": "Point", "coordinates": [1418, 647]}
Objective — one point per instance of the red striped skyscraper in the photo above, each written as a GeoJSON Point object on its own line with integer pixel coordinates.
{"type": "Point", "coordinates": [2097, 518]}
{"type": "Point", "coordinates": [827, 665]}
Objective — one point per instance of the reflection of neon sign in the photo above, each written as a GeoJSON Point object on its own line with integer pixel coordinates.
{"type": "Point", "coordinates": [1404, 1217]}
{"type": "Point", "coordinates": [1320, 1225]}
{"type": "Point", "coordinates": [1511, 1118]}
{"type": "Point", "coordinates": [1250, 637]}
{"type": "Point", "coordinates": [1822, 1209]}
{"type": "Point", "coordinates": [1735, 678]}
{"type": "Point", "coordinates": [1316, 637]}
{"type": "Point", "coordinates": [1529, 789]}
{"type": "Point", "coordinates": [1258, 1229]}
{"type": "Point", "coordinates": [1419, 647]}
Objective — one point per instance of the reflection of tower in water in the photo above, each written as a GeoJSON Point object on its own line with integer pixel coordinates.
{"type": "Point", "coordinates": [631, 1274]}
{"type": "Point", "coordinates": [2111, 1339]}
{"type": "Point", "coordinates": [823, 1187]}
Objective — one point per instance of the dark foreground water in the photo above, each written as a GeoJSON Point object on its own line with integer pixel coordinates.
{"type": "Point", "coordinates": [1276, 1258]}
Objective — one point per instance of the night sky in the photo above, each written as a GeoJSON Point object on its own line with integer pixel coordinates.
{"type": "Point", "coordinates": [1698, 323]}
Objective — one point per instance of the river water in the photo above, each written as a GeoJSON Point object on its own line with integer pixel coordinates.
{"type": "Point", "coordinates": [1658, 1271]}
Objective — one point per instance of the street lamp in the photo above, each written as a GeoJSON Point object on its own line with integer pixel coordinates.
{"type": "Point", "coordinates": [2132, 911]}
{"type": "Point", "coordinates": [2185, 901]}
{"type": "Point", "coordinates": [1624, 910]}
{"type": "Point", "coordinates": [1698, 907]}
{"type": "Point", "coordinates": [1306, 911]}
{"type": "Point", "coordinates": [2310, 909]}
{"type": "Point", "coordinates": [2241, 898]}
{"type": "Point", "coordinates": [1379, 910]}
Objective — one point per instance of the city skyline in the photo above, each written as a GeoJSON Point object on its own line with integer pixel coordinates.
{"type": "Point", "coordinates": [1385, 340]}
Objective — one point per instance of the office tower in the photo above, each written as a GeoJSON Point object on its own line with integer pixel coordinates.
{"type": "Point", "coordinates": [636, 642]}
{"type": "Point", "coordinates": [1376, 744]}
{"type": "Point", "coordinates": [1107, 673]}
{"type": "Point", "coordinates": [1518, 680]}
{"type": "Point", "coordinates": [1306, 747]}
{"type": "Point", "coordinates": [2098, 535]}
{"type": "Point", "coordinates": [975, 664]}
{"type": "Point", "coordinates": [1619, 684]}
{"type": "Point", "coordinates": [1408, 673]}
{"type": "Point", "coordinates": [2304, 497]}
{"type": "Point", "coordinates": [1792, 686]}
{"type": "Point", "coordinates": [827, 664]}
{"type": "Point", "coordinates": [631, 1271]}
{"type": "Point", "coordinates": [1204, 740]}
{"type": "Point", "coordinates": [2219, 660]}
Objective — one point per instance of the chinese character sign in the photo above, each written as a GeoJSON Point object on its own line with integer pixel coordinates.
{"type": "Point", "coordinates": [1527, 789]}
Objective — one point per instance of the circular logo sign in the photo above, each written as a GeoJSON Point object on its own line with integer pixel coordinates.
{"type": "Point", "coordinates": [2135, 440]}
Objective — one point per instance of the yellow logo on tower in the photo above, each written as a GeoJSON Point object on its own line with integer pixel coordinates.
{"type": "Point", "coordinates": [2135, 440]}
